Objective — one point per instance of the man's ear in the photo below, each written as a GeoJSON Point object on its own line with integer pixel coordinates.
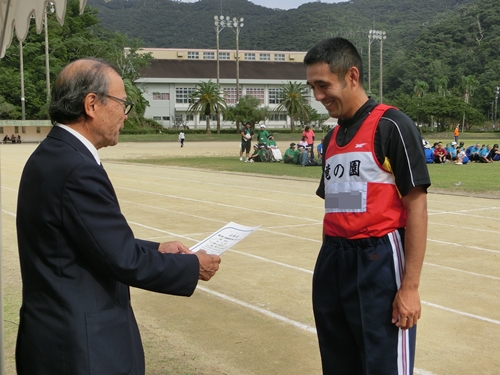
{"type": "Point", "coordinates": [352, 76]}
{"type": "Point", "coordinates": [90, 104]}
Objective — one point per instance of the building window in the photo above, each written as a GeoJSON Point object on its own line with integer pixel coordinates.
{"type": "Point", "coordinates": [209, 55]}
{"type": "Point", "coordinates": [1, 129]}
{"type": "Point", "coordinates": [265, 57]}
{"type": "Point", "coordinates": [203, 117]}
{"type": "Point", "coordinates": [189, 117]}
{"type": "Point", "coordinates": [279, 57]}
{"type": "Point", "coordinates": [256, 93]}
{"type": "Point", "coordinates": [193, 55]}
{"type": "Point", "coordinates": [38, 130]}
{"type": "Point", "coordinates": [161, 96]}
{"type": "Point", "coordinates": [166, 118]}
{"type": "Point", "coordinates": [16, 129]}
{"type": "Point", "coordinates": [157, 118]}
{"type": "Point", "coordinates": [224, 56]}
{"type": "Point", "coordinates": [250, 56]}
{"type": "Point", "coordinates": [182, 94]}
{"type": "Point", "coordinates": [230, 95]}
{"type": "Point", "coordinates": [278, 117]}
{"type": "Point", "coordinates": [275, 96]}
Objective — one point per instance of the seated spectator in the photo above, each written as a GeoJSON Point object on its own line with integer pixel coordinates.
{"type": "Point", "coordinates": [473, 152]}
{"type": "Point", "coordinates": [13, 138]}
{"type": "Point", "coordinates": [303, 142]}
{"type": "Point", "coordinates": [483, 154]}
{"type": "Point", "coordinates": [429, 153]}
{"type": "Point", "coordinates": [6, 139]}
{"type": "Point", "coordinates": [271, 143]}
{"type": "Point", "coordinates": [18, 139]}
{"type": "Point", "coordinates": [494, 154]}
{"type": "Point", "coordinates": [461, 157]}
{"type": "Point", "coordinates": [291, 155]}
{"type": "Point", "coordinates": [255, 157]}
{"type": "Point", "coordinates": [274, 153]}
{"type": "Point", "coordinates": [303, 156]}
{"type": "Point", "coordinates": [451, 151]}
{"type": "Point", "coordinates": [311, 161]}
{"type": "Point", "coordinates": [440, 154]}
{"type": "Point", "coordinates": [265, 154]}
{"type": "Point", "coordinates": [320, 150]}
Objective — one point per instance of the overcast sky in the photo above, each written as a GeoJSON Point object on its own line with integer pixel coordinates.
{"type": "Point", "coordinates": [281, 4]}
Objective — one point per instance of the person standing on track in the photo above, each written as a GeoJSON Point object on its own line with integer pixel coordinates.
{"type": "Point", "coordinates": [246, 140]}
{"type": "Point", "coordinates": [365, 285]}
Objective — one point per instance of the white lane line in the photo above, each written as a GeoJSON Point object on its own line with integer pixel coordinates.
{"type": "Point", "coordinates": [9, 213]}
{"type": "Point", "coordinates": [273, 262]}
{"type": "Point", "coordinates": [469, 315]}
{"type": "Point", "coordinates": [268, 313]}
{"type": "Point", "coordinates": [462, 271]}
{"type": "Point", "coordinates": [228, 185]}
{"type": "Point", "coordinates": [218, 204]}
{"type": "Point", "coordinates": [464, 246]}
{"type": "Point", "coordinates": [462, 228]}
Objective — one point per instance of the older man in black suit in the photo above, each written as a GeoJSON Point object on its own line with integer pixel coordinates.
{"type": "Point", "coordinates": [78, 255]}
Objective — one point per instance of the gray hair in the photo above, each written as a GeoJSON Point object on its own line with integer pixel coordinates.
{"type": "Point", "coordinates": [339, 54]}
{"type": "Point", "coordinates": [73, 84]}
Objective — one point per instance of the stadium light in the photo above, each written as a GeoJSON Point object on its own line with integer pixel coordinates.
{"type": "Point", "coordinates": [372, 35]}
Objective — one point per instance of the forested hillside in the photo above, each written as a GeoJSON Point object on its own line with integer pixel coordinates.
{"type": "Point", "coordinates": [167, 23]}
{"type": "Point", "coordinates": [445, 47]}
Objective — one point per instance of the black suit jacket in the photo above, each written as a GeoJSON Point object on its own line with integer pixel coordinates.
{"type": "Point", "coordinates": [78, 256]}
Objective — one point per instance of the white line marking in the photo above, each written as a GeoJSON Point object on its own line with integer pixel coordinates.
{"type": "Point", "coordinates": [268, 313]}
{"type": "Point", "coordinates": [459, 270]}
{"type": "Point", "coordinates": [465, 246]}
{"type": "Point", "coordinates": [217, 204]}
{"type": "Point", "coordinates": [469, 315]}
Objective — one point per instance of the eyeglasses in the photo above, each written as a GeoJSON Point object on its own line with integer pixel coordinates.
{"type": "Point", "coordinates": [127, 105]}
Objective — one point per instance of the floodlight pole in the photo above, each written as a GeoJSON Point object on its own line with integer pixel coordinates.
{"type": "Point", "coordinates": [47, 68]}
{"type": "Point", "coordinates": [380, 35]}
{"type": "Point", "coordinates": [21, 68]}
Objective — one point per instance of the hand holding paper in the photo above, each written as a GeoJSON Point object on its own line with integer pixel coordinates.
{"type": "Point", "coordinates": [225, 238]}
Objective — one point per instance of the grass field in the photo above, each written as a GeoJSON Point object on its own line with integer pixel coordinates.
{"type": "Point", "coordinates": [474, 178]}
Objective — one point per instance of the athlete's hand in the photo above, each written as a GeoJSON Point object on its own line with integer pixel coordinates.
{"type": "Point", "coordinates": [406, 308]}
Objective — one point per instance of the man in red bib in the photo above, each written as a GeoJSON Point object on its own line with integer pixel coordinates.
{"type": "Point", "coordinates": [374, 183]}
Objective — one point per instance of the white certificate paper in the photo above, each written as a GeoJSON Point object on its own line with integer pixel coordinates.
{"type": "Point", "coordinates": [225, 238]}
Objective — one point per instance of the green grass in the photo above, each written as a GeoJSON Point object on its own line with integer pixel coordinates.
{"type": "Point", "coordinates": [472, 178]}
{"type": "Point", "coordinates": [232, 164]}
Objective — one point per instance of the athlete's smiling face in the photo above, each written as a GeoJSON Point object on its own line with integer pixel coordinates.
{"type": "Point", "coordinates": [335, 93]}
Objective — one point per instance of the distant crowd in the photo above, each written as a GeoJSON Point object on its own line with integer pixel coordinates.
{"type": "Point", "coordinates": [460, 154]}
{"type": "Point", "coordinates": [266, 149]}
{"type": "Point", "coordinates": [12, 139]}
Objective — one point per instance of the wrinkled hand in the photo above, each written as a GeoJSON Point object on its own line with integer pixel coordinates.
{"type": "Point", "coordinates": [174, 247]}
{"type": "Point", "coordinates": [406, 308]}
{"type": "Point", "coordinates": [209, 264]}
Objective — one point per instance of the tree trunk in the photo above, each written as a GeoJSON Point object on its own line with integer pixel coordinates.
{"type": "Point", "coordinates": [292, 125]}
{"type": "Point", "coordinates": [218, 120]}
{"type": "Point", "coordinates": [208, 125]}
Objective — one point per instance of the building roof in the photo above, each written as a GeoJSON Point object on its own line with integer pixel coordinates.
{"type": "Point", "coordinates": [203, 69]}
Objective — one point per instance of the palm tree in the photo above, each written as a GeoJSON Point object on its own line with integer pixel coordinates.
{"type": "Point", "coordinates": [420, 88]}
{"type": "Point", "coordinates": [294, 101]}
{"type": "Point", "coordinates": [206, 99]}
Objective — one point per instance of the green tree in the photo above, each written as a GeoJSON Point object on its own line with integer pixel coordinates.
{"type": "Point", "coordinates": [247, 109]}
{"type": "Point", "coordinates": [206, 99]}
{"type": "Point", "coordinates": [294, 101]}
{"type": "Point", "coordinates": [80, 36]}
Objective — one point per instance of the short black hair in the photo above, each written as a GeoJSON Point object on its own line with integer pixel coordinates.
{"type": "Point", "coordinates": [339, 54]}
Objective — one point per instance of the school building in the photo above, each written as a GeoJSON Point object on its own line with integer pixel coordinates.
{"type": "Point", "coordinates": [173, 74]}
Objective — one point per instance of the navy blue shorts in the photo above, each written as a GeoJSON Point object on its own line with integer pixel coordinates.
{"type": "Point", "coordinates": [354, 285]}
